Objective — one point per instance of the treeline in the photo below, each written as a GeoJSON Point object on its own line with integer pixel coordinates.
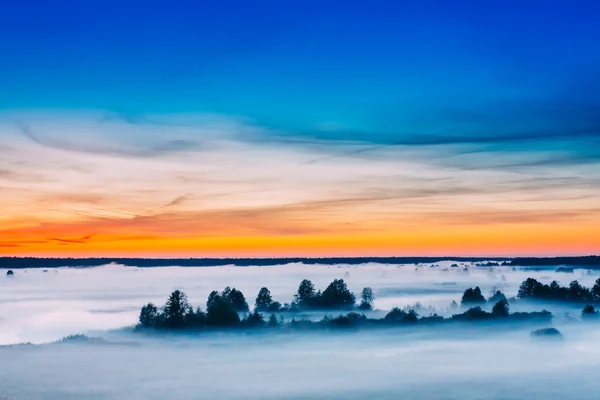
{"type": "Point", "coordinates": [36, 262]}
{"type": "Point", "coordinates": [583, 261]}
{"type": "Point", "coordinates": [223, 310]}
{"type": "Point", "coordinates": [532, 289]}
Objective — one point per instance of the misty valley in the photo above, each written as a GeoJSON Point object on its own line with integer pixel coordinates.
{"type": "Point", "coordinates": [445, 330]}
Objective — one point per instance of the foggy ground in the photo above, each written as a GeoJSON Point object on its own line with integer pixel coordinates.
{"type": "Point", "coordinates": [415, 363]}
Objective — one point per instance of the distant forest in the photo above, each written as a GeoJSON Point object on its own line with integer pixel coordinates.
{"type": "Point", "coordinates": [41, 262]}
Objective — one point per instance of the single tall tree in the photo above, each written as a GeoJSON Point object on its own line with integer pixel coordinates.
{"type": "Point", "coordinates": [175, 310]}
{"type": "Point", "coordinates": [367, 298]}
{"type": "Point", "coordinates": [263, 300]}
{"type": "Point", "coordinates": [306, 293]}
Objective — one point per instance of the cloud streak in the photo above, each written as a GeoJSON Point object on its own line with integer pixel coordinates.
{"type": "Point", "coordinates": [195, 177]}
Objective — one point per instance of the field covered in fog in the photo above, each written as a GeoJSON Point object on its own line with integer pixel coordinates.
{"type": "Point", "coordinates": [450, 362]}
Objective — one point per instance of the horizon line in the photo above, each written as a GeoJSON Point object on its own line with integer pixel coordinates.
{"type": "Point", "coordinates": [303, 257]}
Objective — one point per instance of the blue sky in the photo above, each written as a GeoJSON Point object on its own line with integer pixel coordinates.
{"type": "Point", "coordinates": [369, 69]}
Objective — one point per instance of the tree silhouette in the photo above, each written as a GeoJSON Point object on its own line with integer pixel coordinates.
{"type": "Point", "coordinates": [306, 293]}
{"type": "Point", "coordinates": [148, 316]}
{"type": "Point", "coordinates": [273, 321]}
{"type": "Point", "coordinates": [529, 288]}
{"type": "Point", "coordinates": [195, 319]}
{"type": "Point", "coordinates": [367, 298]}
{"type": "Point", "coordinates": [397, 315]}
{"type": "Point", "coordinates": [596, 290]}
{"type": "Point", "coordinates": [220, 313]}
{"type": "Point", "coordinates": [496, 297]}
{"type": "Point", "coordinates": [501, 308]}
{"type": "Point", "coordinates": [547, 333]}
{"type": "Point", "coordinates": [212, 297]}
{"type": "Point", "coordinates": [578, 292]}
{"type": "Point", "coordinates": [254, 320]}
{"type": "Point", "coordinates": [589, 312]}
{"type": "Point", "coordinates": [337, 295]}
{"type": "Point", "coordinates": [274, 306]}
{"type": "Point", "coordinates": [350, 319]}
{"type": "Point", "coordinates": [236, 298]}
{"type": "Point", "coordinates": [473, 313]}
{"type": "Point", "coordinates": [264, 300]}
{"type": "Point", "coordinates": [176, 309]}
{"type": "Point", "coordinates": [472, 296]}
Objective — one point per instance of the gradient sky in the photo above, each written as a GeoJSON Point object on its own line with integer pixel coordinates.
{"type": "Point", "coordinates": [269, 128]}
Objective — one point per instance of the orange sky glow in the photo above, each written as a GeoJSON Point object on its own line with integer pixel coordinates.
{"type": "Point", "coordinates": [94, 193]}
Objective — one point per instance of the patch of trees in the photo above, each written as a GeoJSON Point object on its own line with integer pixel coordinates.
{"type": "Point", "coordinates": [222, 312]}
{"type": "Point", "coordinates": [589, 312]}
{"type": "Point", "coordinates": [501, 311]}
{"type": "Point", "coordinates": [472, 296]}
{"type": "Point", "coordinates": [264, 302]}
{"type": "Point", "coordinates": [547, 333]}
{"type": "Point", "coordinates": [575, 292]}
{"type": "Point", "coordinates": [223, 308]}
{"type": "Point", "coordinates": [475, 297]}
{"type": "Point", "coordinates": [335, 296]}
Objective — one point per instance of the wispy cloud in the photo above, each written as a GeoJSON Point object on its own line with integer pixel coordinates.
{"type": "Point", "coordinates": [193, 177]}
{"type": "Point", "coordinates": [73, 240]}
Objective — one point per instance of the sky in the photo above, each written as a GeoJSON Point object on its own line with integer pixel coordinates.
{"type": "Point", "coordinates": [313, 128]}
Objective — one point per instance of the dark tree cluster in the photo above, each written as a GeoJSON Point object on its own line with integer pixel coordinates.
{"type": "Point", "coordinates": [472, 296]}
{"type": "Point", "coordinates": [501, 311]}
{"type": "Point", "coordinates": [232, 296]}
{"type": "Point", "coordinates": [178, 314]}
{"type": "Point", "coordinates": [575, 292]}
{"type": "Point", "coordinates": [264, 302]}
{"type": "Point", "coordinates": [335, 296]}
{"type": "Point", "coordinates": [547, 333]}
{"type": "Point", "coordinates": [589, 312]}
{"type": "Point", "coordinates": [223, 308]}
{"type": "Point", "coordinates": [397, 315]}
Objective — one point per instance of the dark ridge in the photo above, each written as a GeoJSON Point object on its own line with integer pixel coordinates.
{"type": "Point", "coordinates": [581, 261]}
{"type": "Point", "coordinates": [35, 262]}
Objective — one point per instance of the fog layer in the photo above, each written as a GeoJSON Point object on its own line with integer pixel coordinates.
{"type": "Point", "coordinates": [38, 306]}
{"type": "Point", "coordinates": [423, 362]}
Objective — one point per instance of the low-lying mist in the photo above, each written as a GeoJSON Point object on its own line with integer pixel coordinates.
{"type": "Point", "coordinates": [482, 361]}
{"type": "Point", "coordinates": [38, 306]}
{"type": "Point", "coordinates": [476, 363]}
